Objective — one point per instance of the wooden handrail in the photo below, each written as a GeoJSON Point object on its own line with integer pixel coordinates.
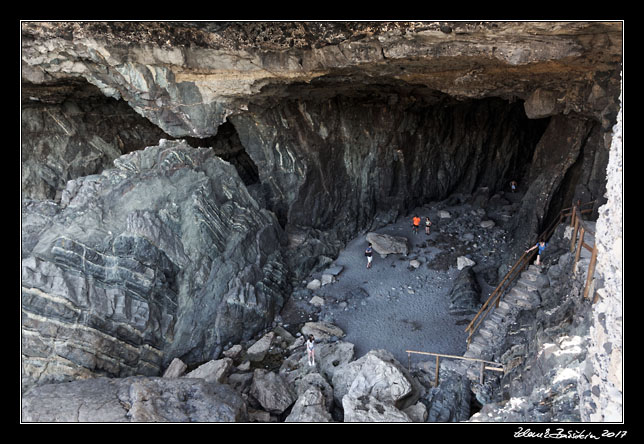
{"type": "Point", "coordinates": [499, 367]}
{"type": "Point", "coordinates": [495, 297]}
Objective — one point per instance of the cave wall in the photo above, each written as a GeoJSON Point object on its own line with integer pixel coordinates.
{"type": "Point", "coordinates": [338, 127]}
{"type": "Point", "coordinates": [336, 165]}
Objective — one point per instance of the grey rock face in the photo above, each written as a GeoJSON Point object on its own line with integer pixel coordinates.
{"type": "Point", "coordinates": [465, 294]}
{"type": "Point", "coordinates": [133, 399]}
{"type": "Point", "coordinates": [164, 256]}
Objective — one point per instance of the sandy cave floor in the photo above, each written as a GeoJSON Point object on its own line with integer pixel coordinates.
{"type": "Point", "coordinates": [395, 307]}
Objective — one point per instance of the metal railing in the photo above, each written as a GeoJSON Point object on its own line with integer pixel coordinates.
{"type": "Point", "coordinates": [482, 362]}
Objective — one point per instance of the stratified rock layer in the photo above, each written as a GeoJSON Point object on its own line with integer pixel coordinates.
{"type": "Point", "coordinates": [164, 256]}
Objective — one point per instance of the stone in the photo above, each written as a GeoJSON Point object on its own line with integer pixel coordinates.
{"type": "Point", "coordinates": [271, 391]}
{"type": "Point", "coordinates": [385, 244]}
{"type": "Point", "coordinates": [322, 330]}
{"type": "Point", "coordinates": [310, 407]}
{"type": "Point", "coordinates": [414, 263]}
{"type": "Point", "coordinates": [212, 371]}
{"type": "Point", "coordinates": [378, 375]}
{"type": "Point", "coordinates": [465, 293]}
{"type": "Point", "coordinates": [315, 284]}
{"type": "Point", "coordinates": [462, 262]}
{"type": "Point", "coordinates": [487, 224]}
{"type": "Point", "coordinates": [233, 352]}
{"type": "Point", "coordinates": [133, 399]}
{"type": "Point", "coordinates": [327, 279]}
{"type": "Point", "coordinates": [370, 409]}
{"type": "Point", "coordinates": [443, 214]}
{"type": "Point", "coordinates": [175, 369]}
{"type": "Point", "coordinates": [316, 301]}
{"type": "Point", "coordinates": [259, 349]}
{"type": "Point", "coordinates": [334, 271]}
{"type": "Point", "coordinates": [132, 258]}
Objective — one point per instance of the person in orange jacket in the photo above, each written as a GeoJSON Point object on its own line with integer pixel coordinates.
{"type": "Point", "coordinates": [416, 224]}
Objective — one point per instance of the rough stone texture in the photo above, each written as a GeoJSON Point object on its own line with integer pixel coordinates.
{"type": "Point", "coordinates": [73, 130]}
{"type": "Point", "coordinates": [271, 391]}
{"type": "Point", "coordinates": [604, 389]}
{"type": "Point", "coordinates": [385, 244]}
{"type": "Point", "coordinates": [465, 295]}
{"type": "Point", "coordinates": [351, 124]}
{"type": "Point", "coordinates": [164, 256]}
{"type": "Point", "coordinates": [133, 399]}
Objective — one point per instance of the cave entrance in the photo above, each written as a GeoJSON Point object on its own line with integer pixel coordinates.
{"type": "Point", "coordinates": [226, 145]}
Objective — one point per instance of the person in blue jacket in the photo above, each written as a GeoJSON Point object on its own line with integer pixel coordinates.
{"type": "Point", "coordinates": [541, 245]}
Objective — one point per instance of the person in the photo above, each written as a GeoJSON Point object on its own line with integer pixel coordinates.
{"type": "Point", "coordinates": [310, 349]}
{"type": "Point", "coordinates": [416, 224]}
{"type": "Point", "coordinates": [428, 224]}
{"type": "Point", "coordinates": [513, 185]}
{"type": "Point", "coordinates": [369, 253]}
{"type": "Point", "coordinates": [541, 245]}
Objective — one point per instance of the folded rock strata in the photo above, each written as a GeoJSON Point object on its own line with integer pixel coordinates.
{"type": "Point", "coordinates": [166, 255]}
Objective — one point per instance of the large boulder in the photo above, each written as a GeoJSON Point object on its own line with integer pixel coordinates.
{"type": "Point", "coordinates": [385, 244]}
{"type": "Point", "coordinates": [377, 374]}
{"type": "Point", "coordinates": [166, 255]}
{"type": "Point", "coordinates": [465, 294]}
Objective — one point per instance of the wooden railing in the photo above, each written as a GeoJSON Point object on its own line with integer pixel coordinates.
{"type": "Point", "coordinates": [482, 362]}
{"type": "Point", "coordinates": [495, 297]}
{"type": "Point", "coordinates": [581, 228]}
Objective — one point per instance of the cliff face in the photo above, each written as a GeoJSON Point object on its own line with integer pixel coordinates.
{"type": "Point", "coordinates": [333, 128]}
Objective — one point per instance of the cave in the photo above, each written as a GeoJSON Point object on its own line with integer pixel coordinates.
{"type": "Point", "coordinates": [182, 181]}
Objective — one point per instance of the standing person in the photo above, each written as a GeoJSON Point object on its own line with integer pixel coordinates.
{"type": "Point", "coordinates": [310, 349]}
{"type": "Point", "coordinates": [513, 185]}
{"type": "Point", "coordinates": [428, 223]}
{"type": "Point", "coordinates": [369, 253]}
{"type": "Point", "coordinates": [541, 245]}
{"type": "Point", "coordinates": [415, 224]}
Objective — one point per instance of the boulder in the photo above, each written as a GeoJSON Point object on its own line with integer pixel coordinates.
{"type": "Point", "coordinates": [370, 409]}
{"type": "Point", "coordinates": [175, 369]}
{"type": "Point", "coordinates": [322, 330]}
{"type": "Point", "coordinates": [271, 391]}
{"type": "Point", "coordinates": [258, 350]}
{"type": "Point", "coordinates": [377, 374]}
{"type": "Point", "coordinates": [212, 371]}
{"type": "Point", "coordinates": [465, 294]}
{"type": "Point", "coordinates": [385, 244]}
{"type": "Point", "coordinates": [310, 407]}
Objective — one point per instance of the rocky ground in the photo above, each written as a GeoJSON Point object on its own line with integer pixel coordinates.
{"type": "Point", "coordinates": [400, 304]}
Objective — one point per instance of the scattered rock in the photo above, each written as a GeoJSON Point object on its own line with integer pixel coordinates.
{"type": "Point", "coordinates": [316, 301]}
{"type": "Point", "coordinates": [462, 262]}
{"type": "Point", "coordinates": [487, 224]}
{"type": "Point", "coordinates": [175, 369]}
{"type": "Point", "coordinates": [258, 350]}
{"type": "Point", "coordinates": [443, 214]}
{"type": "Point", "coordinates": [315, 284]}
{"type": "Point", "coordinates": [271, 391]}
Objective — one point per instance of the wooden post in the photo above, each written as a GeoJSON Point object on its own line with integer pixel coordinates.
{"type": "Point", "coordinates": [482, 368]}
{"type": "Point", "coordinates": [579, 245]}
{"type": "Point", "coordinates": [574, 232]}
{"type": "Point", "coordinates": [437, 360]}
{"type": "Point", "coordinates": [591, 269]}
